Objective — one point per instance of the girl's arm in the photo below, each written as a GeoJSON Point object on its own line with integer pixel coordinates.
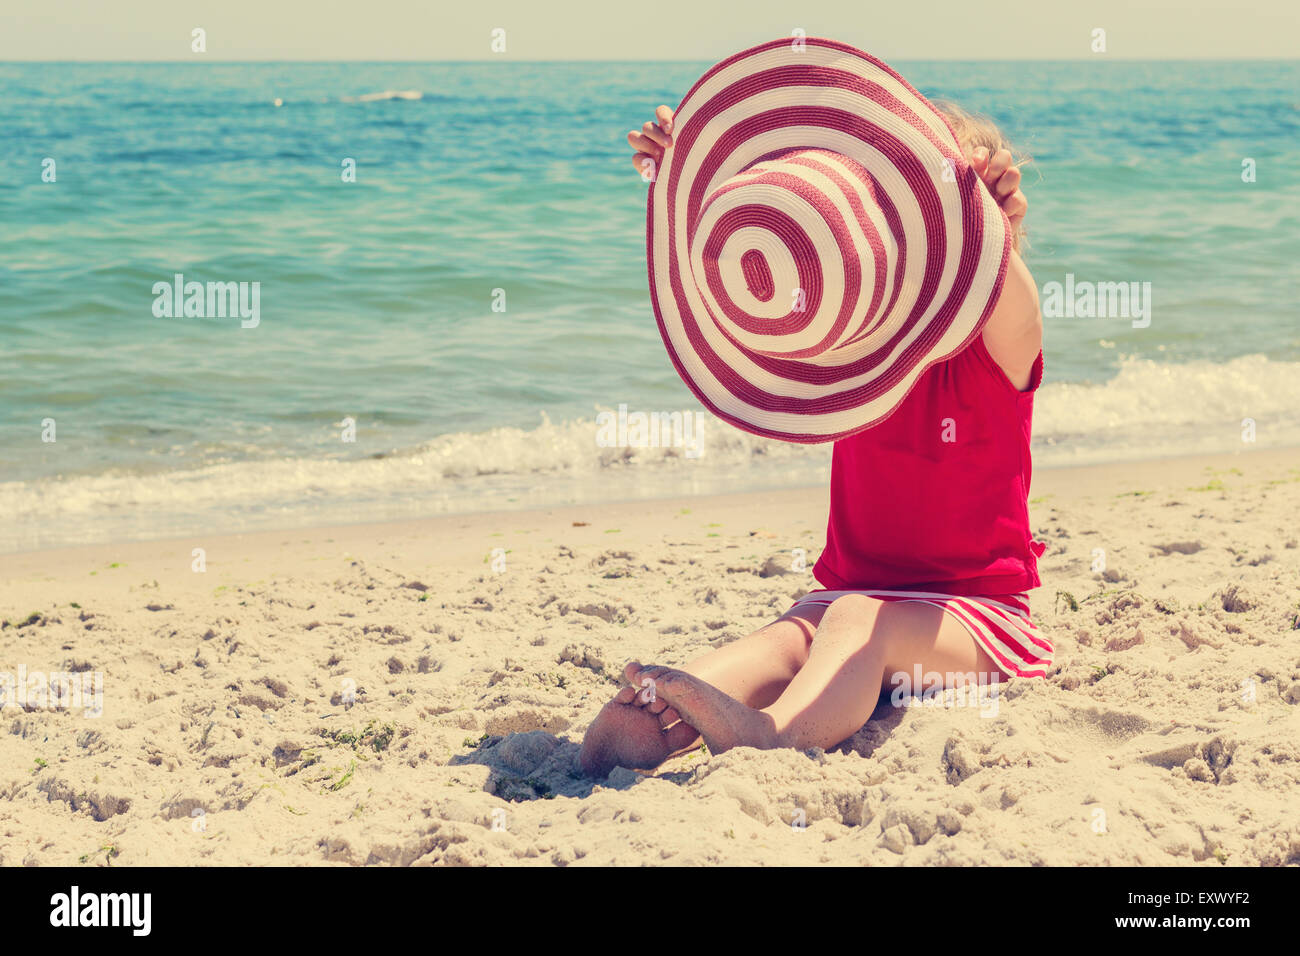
{"type": "Point", "coordinates": [1014, 333]}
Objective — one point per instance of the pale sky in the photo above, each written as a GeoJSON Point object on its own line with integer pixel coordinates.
{"type": "Point", "coordinates": [653, 30]}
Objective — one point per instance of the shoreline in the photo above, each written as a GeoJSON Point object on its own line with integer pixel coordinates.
{"type": "Point", "coordinates": [1047, 480]}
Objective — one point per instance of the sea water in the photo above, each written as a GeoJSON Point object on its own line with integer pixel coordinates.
{"type": "Point", "coordinates": [449, 262]}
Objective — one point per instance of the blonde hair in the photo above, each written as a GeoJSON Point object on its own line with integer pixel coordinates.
{"type": "Point", "coordinates": [973, 131]}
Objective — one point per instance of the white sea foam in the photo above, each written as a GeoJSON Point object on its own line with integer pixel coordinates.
{"type": "Point", "coordinates": [1147, 410]}
{"type": "Point", "coordinates": [1153, 409]}
{"type": "Point", "coordinates": [385, 95]}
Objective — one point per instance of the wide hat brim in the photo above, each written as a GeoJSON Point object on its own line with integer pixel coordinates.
{"type": "Point", "coordinates": [816, 240]}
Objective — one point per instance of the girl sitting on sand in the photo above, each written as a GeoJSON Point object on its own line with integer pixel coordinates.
{"type": "Point", "coordinates": [928, 556]}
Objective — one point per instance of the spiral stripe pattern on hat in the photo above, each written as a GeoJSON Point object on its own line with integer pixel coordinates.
{"type": "Point", "coordinates": [815, 241]}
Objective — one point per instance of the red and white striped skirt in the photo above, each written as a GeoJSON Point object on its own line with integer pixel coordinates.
{"type": "Point", "coordinates": [1001, 624]}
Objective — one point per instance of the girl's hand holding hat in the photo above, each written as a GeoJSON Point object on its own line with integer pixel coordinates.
{"type": "Point", "coordinates": [1003, 181]}
{"type": "Point", "coordinates": [650, 141]}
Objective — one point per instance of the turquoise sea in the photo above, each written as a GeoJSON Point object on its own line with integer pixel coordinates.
{"type": "Point", "coordinates": [376, 296]}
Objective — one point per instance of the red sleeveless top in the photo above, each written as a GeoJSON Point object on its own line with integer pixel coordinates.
{"type": "Point", "coordinates": [935, 498]}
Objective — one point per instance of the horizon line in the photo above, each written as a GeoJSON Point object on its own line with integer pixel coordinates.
{"type": "Point", "coordinates": [498, 59]}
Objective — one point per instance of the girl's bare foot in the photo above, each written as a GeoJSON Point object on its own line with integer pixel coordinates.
{"type": "Point", "coordinates": [722, 721]}
{"type": "Point", "coordinates": [625, 735]}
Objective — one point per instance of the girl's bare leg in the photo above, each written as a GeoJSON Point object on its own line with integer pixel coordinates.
{"type": "Point", "coordinates": [859, 644]}
{"type": "Point", "coordinates": [753, 670]}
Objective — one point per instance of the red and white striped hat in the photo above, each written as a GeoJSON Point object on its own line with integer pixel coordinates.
{"type": "Point", "coordinates": [816, 240]}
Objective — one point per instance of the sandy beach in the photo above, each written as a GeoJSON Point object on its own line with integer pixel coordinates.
{"type": "Point", "coordinates": [415, 693]}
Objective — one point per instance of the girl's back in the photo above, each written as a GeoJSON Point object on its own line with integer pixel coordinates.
{"type": "Point", "coordinates": [935, 497]}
